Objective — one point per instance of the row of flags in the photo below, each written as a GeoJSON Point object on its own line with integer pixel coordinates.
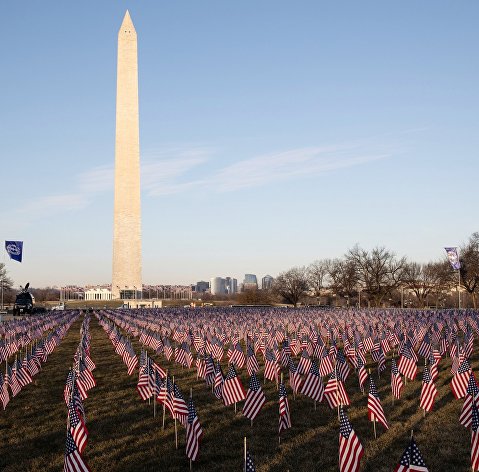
{"type": "Point", "coordinates": [28, 361]}
{"type": "Point", "coordinates": [155, 384]}
{"type": "Point", "coordinates": [79, 381]}
{"type": "Point", "coordinates": [406, 349]}
{"type": "Point", "coordinates": [17, 335]}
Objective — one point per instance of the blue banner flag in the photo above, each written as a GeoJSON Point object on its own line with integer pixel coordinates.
{"type": "Point", "coordinates": [453, 256]}
{"type": "Point", "coordinates": [14, 249]}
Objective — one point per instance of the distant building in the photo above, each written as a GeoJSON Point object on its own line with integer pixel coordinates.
{"type": "Point", "coordinates": [98, 294]}
{"type": "Point", "coordinates": [231, 285]}
{"type": "Point", "coordinates": [218, 286]}
{"type": "Point", "coordinates": [250, 282]}
{"type": "Point", "coordinates": [201, 286]}
{"type": "Point", "coordinates": [267, 282]}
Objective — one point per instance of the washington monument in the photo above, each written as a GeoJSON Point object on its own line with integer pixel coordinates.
{"type": "Point", "coordinates": [126, 277]}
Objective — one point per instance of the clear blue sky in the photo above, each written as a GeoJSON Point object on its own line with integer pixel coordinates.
{"type": "Point", "coordinates": [272, 133]}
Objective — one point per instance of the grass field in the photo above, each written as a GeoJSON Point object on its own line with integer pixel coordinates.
{"type": "Point", "coordinates": [124, 435]}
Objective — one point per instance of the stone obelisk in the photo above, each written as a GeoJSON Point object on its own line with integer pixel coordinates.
{"type": "Point", "coordinates": [126, 277]}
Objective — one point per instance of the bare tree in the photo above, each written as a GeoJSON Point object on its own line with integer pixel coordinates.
{"type": "Point", "coordinates": [469, 259]}
{"type": "Point", "coordinates": [292, 284]}
{"type": "Point", "coordinates": [6, 283]}
{"type": "Point", "coordinates": [344, 277]}
{"type": "Point", "coordinates": [379, 271]}
{"type": "Point", "coordinates": [424, 279]}
{"type": "Point", "coordinates": [317, 274]}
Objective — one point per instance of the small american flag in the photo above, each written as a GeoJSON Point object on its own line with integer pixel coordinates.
{"type": "Point", "coordinates": [350, 449]}
{"type": "Point", "coordinates": [428, 391]}
{"type": "Point", "coordinates": [249, 466]}
{"type": "Point", "coordinates": [471, 397]}
{"type": "Point", "coordinates": [4, 396]}
{"type": "Point", "coordinates": [375, 409]}
{"type": "Point", "coordinates": [77, 427]}
{"type": "Point", "coordinates": [73, 460]}
{"type": "Point", "coordinates": [475, 438]}
{"type": "Point", "coordinates": [255, 398]}
{"type": "Point", "coordinates": [233, 390]}
{"type": "Point", "coordinates": [397, 383]}
{"type": "Point", "coordinates": [193, 432]}
{"type": "Point", "coordinates": [313, 385]}
{"type": "Point", "coordinates": [179, 406]}
{"type": "Point", "coordinates": [411, 460]}
{"type": "Point", "coordinates": [460, 380]}
{"type": "Point", "coordinates": [284, 416]}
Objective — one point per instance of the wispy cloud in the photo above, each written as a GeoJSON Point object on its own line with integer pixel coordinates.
{"type": "Point", "coordinates": [278, 167]}
{"type": "Point", "coordinates": [256, 171]}
{"type": "Point", "coordinates": [166, 171]}
{"type": "Point", "coordinates": [180, 169]}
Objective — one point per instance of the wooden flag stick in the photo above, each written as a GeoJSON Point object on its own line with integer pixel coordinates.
{"type": "Point", "coordinates": [245, 454]}
{"type": "Point", "coordinates": [374, 425]}
{"type": "Point", "coordinates": [176, 426]}
{"type": "Point", "coordinates": [166, 387]}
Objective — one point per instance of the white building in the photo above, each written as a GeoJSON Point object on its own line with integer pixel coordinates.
{"type": "Point", "coordinates": [98, 294]}
{"type": "Point", "coordinates": [217, 286]}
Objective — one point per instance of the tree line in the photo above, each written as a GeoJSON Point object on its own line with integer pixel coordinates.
{"type": "Point", "coordinates": [379, 278]}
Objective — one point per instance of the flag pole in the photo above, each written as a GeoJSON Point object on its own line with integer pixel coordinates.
{"type": "Point", "coordinates": [166, 387]}
{"type": "Point", "coordinates": [191, 396]}
{"type": "Point", "coordinates": [372, 414]}
{"type": "Point", "coordinates": [245, 454]}
{"type": "Point", "coordinates": [176, 426]}
{"type": "Point", "coordinates": [279, 433]}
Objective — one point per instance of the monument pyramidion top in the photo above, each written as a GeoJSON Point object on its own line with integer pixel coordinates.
{"type": "Point", "coordinates": [127, 27]}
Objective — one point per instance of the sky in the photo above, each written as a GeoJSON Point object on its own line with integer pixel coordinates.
{"type": "Point", "coordinates": [272, 134]}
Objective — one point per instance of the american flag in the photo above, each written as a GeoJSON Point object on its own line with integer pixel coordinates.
{"type": "Point", "coordinates": [294, 377]}
{"type": "Point", "coordinates": [12, 381]}
{"type": "Point", "coordinates": [475, 438]}
{"type": "Point", "coordinates": [326, 366]}
{"type": "Point", "coordinates": [335, 392]}
{"type": "Point", "coordinates": [397, 383]}
{"type": "Point", "coordinates": [425, 348]}
{"type": "Point", "coordinates": [249, 466]}
{"type": "Point", "coordinates": [251, 361]}
{"type": "Point", "coordinates": [362, 374]}
{"type": "Point", "coordinates": [342, 366]}
{"type": "Point", "coordinates": [4, 396]}
{"type": "Point", "coordinates": [233, 390]}
{"type": "Point", "coordinates": [313, 385]}
{"type": "Point", "coordinates": [180, 408]}
{"type": "Point", "coordinates": [146, 381]}
{"type": "Point", "coordinates": [304, 362]}
{"type": "Point", "coordinates": [471, 397]}
{"type": "Point", "coordinates": [375, 409]}
{"type": "Point", "coordinates": [350, 449]}
{"type": "Point", "coordinates": [284, 416]}
{"type": "Point", "coordinates": [428, 391]}
{"type": "Point", "coordinates": [255, 398]}
{"type": "Point", "coordinates": [460, 380]}
{"type": "Point", "coordinates": [237, 357]}
{"type": "Point", "coordinates": [73, 460]}
{"type": "Point", "coordinates": [218, 382]}
{"type": "Point", "coordinates": [271, 367]}
{"type": "Point", "coordinates": [166, 395]}
{"type": "Point", "coordinates": [193, 432]}
{"type": "Point", "coordinates": [77, 427]}
{"type": "Point", "coordinates": [411, 460]}
{"type": "Point", "coordinates": [407, 364]}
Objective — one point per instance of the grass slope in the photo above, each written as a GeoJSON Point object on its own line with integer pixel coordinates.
{"type": "Point", "coordinates": [124, 435]}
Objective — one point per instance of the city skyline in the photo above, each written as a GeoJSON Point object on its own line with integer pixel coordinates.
{"type": "Point", "coordinates": [316, 130]}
